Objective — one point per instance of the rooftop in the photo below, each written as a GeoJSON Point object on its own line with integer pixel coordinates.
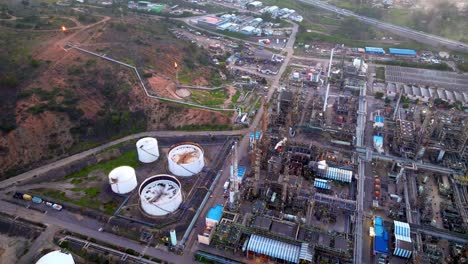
{"type": "Point", "coordinates": [215, 213]}
{"type": "Point", "coordinates": [274, 248]}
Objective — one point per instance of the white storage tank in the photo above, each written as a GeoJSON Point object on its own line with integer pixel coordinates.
{"type": "Point", "coordinates": [160, 195]}
{"type": "Point", "coordinates": [147, 150]}
{"type": "Point", "coordinates": [56, 257]}
{"type": "Point", "coordinates": [123, 179]}
{"type": "Point", "coordinates": [186, 159]}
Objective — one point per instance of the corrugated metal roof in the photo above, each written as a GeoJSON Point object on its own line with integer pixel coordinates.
{"type": "Point", "coordinates": [375, 50]}
{"type": "Point", "coordinates": [323, 184]}
{"type": "Point", "coordinates": [402, 51]}
{"type": "Point", "coordinates": [274, 248]}
{"type": "Point", "coordinates": [402, 253]}
{"type": "Point", "coordinates": [215, 213]}
{"type": "Point", "coordinates": [305, 252]}
{"type": "Point", "coordinates": [339, 174]}
{"type": "Point", "coordinates": [402, 231]}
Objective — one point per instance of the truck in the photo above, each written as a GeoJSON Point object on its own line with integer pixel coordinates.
{"type": "Point", "coordinates": [226, 185]}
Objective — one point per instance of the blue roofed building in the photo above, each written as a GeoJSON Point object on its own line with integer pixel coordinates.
{"type": "Point", "coordinates": [404, 52]}
{"type": "Point", "coordinates": [378, 144]}
{"type": "Point", "coordinates": [403, 243]}
{"type": "Point", "coordinates": [322, 184]}
{"type": "Point", "coordinates": [241, 172]}
{"type": "Point", "coordinates": [339, 174]}
{"type": "Point", "coordinates": [378, 121]}
{"type": "Point", "coordinates": [380, 237]}
{"type": "Point", "coordinates": [374, 50]}
{"type": "Point", "coordinates": [212, 219]}
{"type": "Point", "coordinates": [214, 215]}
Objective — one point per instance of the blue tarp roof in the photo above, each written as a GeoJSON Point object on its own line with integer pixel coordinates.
{"type": "Point", "coordinates": [274, 248]}
{"type": "Point", "coordinates": [402, 51]}
{"type": "Point", "coordinates": [215, 213]}
{"type": "Point", "coordinates": [374, 50]}
{"type": "Point", "coordinates": [241, 172]}
{"type": "Point", "coordinates": [381, 245]}
{"type": "Point", "coordinates": [378, 119]}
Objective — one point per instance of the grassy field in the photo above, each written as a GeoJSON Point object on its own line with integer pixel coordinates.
{"type": "Point", "coordinates": [216, 97]}
{"type": "Point", "coordinates": [88, 198]}
{"type": "Point", "coordinates": [129, 159]}
{"type": "Point", "coordinates": [380, 73]}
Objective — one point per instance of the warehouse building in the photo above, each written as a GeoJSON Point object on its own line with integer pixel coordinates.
{"type": "Point", "coordinates": [402, 52]}
{"type": "Point", "coordinates": [403, 243]}
{"type": "Point", "coordinates": [374, 50]}
{"type": "Point", "coordinates": [277, 250]}
{"type": "Point", "coordinates": [380, 236]}
{"type": "Point", "coordinates": [210, 22]}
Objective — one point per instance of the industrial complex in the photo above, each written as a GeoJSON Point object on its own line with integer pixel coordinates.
{"type": "Point", "coordinates": [333, 154]}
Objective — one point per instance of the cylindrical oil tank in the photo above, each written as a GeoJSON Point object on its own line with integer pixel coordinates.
{"type": "Point", "coordinates": [186, 159]}
{"type": "Point", "coordinates": [160, 195]}
{"type": "Point", "coordinates": [147, 149]}
{"type": "Point", "coordinates": [56, 257]}
{"type": "Point", "coordinates": [122, 179]}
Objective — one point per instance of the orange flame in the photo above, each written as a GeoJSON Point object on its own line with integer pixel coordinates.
{"type": "Point", "coordinates": [64, 28]}
{"type": "Point", "coordinates": [175, 65]}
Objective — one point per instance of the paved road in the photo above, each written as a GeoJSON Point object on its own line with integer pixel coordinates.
{"type": "Point", "coordinates": [45, 239]}
{"type": "Point", "coordinates": [82, 227]}
{"type": "Point", "coordinates": [60, 163]}
{"type": "Point", "coordinates": [426, 38]}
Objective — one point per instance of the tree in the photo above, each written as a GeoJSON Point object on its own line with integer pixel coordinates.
{"type": "Point", "coordinates": [378, 95]}
{"type": "Point", "coordinates": [25, 3]}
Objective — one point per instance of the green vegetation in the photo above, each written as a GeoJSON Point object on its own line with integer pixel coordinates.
{"type": "Point", "coordinates": [443, 18]}
{"type": "Point", "coordinates": [88, 200]}
{"type": "Point", "coordinates": [215, 97]}
{"type": "Point", "coordinates": [236, 96]}
{"type": "Point", "coordinates": [232, 34]}
{"type": "Point", "coordinates": [129, 158]}
{"type": "Point", "coordinates": [380, 73]}
{"type": "Point", "coordinates": [440, 67]}
{"type": "Point", "coordinates": [39, 23]}
{"type": "Point", "coordinates": [378, 95]}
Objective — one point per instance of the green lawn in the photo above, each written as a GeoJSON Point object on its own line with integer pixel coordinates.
{"type": "Point", "coordinates": [88, 200]}
{"type": "Point", "coordinates": [211, 98]}
{"type": "Point", "coordinates": [380, 73]}
{"type": "Point", "coordinates": [129, 159]}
